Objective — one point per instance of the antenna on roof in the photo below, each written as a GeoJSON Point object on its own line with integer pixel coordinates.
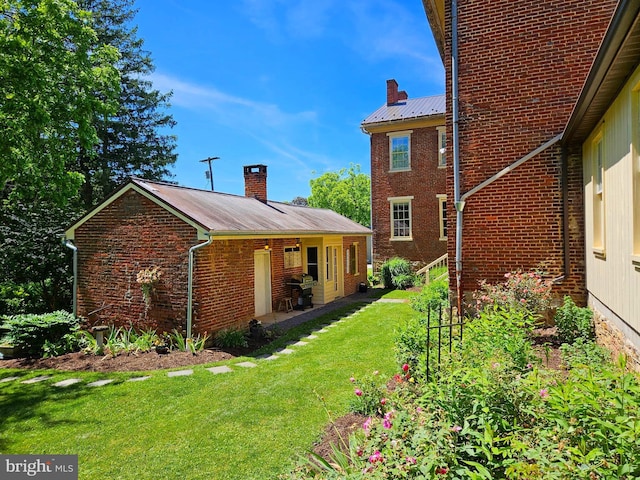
{"type": "Point", "coordinates": [209, 174]}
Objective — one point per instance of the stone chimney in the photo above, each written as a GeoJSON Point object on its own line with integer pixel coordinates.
{"type": "Point", "coordinates": [255, 182]}
{"type": "Point", "coordinates": [393, 95]}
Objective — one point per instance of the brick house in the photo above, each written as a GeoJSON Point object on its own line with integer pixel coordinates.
{"type": "Point", "coordinates": [224, 259]}
{"type": "Point", "coordinates": [603, 134]}
{"type": "Point", "coordinates": [514, 71]}
{"type": "Point", "coordinates": [408, 177]}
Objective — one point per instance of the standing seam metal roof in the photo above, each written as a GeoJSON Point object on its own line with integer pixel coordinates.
{"type": "Point", "coordinates": [223, 213]}
{"type": "Point", "coordinates": [408, 109]}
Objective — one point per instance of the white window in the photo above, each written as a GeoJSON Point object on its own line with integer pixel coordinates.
{"type": "Point", "coordinates": [400, 209]}
{"type": "Point", "coordinates": [442, 209]}
{"type": "Point", "coordinates": [292, 257]}
{"type": "Point", "coordinates": [399, 151]}
{"type": "Point", "coordinates": [597, 177]}
{"type": "Point", "coordinates": [442, 146]}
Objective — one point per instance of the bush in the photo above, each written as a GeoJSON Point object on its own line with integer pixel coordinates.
{"type": "Point", "coordinates": [396, 273]}
{"type": "Point", "coordinates": [524, 291]}
{"type": "Point", "coordinates": [434, 297]}
{"type": "Point", "coordinates": [583, 353]}
{"type": "Point", "coordinates": [369, 395]}
{"type": "Point", "coordinates": [46, 334]}
{"type": "Point", "coordinates": [230, 338]}
{"type": "Point", "coordinates": [574, 322]}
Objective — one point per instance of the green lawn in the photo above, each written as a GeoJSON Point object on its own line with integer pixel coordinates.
{"type": "Point", "coordinates": [247, 424]}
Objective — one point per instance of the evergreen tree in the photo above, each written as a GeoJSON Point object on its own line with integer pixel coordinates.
{"type": "Point", "coordinates": [134, 140]}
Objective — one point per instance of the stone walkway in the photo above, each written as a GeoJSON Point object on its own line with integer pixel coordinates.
{"type": "Point", "coordinates": [290, 349]}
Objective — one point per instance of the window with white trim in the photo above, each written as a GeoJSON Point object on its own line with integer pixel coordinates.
{"type": "Point", "coordinates": [400, 209]}
{"type": "Point", "coordinates": [442, 209]}
{"type": "Point", "coordinates": [399, 151]}
{"type": "Point", "coordinates": [442, 146]}
{"type": "Point", "coordinates": [597, 177]}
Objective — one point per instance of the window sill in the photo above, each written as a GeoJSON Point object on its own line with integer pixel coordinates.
{"type": "Point", "coordinates": [442, 166]}
{"type": "Point", "coordinates": [401, 239]}
{"type": "Point", "coordinates": [396, 170]}
{"type": "Point", "coordinates": [443, 239]}
{"type": "Point", "coordinates": [599, 253]}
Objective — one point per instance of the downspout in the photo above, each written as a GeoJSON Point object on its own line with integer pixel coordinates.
{"type": "Point", "coordinates": [190, 281]}
{"type": "Point", "coordinates": [459, 205]}
{"type": "Point", "coordinates": [68, 244]}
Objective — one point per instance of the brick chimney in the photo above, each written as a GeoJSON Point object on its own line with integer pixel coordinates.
{"type": "Point", "coordinates": [393, 95]}
{"type": "Point", "coordinates": [255, 182]}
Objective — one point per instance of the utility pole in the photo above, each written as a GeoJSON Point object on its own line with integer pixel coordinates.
{"type": "Point", "coordinates": [210, 159]}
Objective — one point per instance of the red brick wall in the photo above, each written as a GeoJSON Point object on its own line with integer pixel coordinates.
{"type": "Point", "coordinates": [423, 182]}
{"type": "Point", "coordinates": [521, 69]}
{"type": "Point", "coordinates": [352, 281]}
{"type": "Point", "coordinates": [127, 236]}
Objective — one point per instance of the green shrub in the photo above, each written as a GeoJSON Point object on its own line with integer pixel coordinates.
{"type": "Point", "coordinates": [526, 291]}
{"type": "Point", "coordinates": [369, 395]}
{"type": "Point", "coordinates": [37, 335]}
{"type": "Point", "coordinates": [585, 353]}
{"type": "Point", "coordinates": [396, 273]}
{"type": "Point", "coordinates": [574, 322]}
{"type": "Point", "coordinates": [434, 297]}
{"type": "Point", "coordinates": [16, 299]}
{"type": "Point", "coordinates": [230, 338]}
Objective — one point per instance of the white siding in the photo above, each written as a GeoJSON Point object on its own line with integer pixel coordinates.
{"type": "Point", "coordinates": [613, 277]}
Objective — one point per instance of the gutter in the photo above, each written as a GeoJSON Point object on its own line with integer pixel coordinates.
{"type": "Point", "coordinates": [190, 280]}
{"type": "Point", "coordinates": [68, 244]}
{"type": "Point", "coordinates": [459, 205]}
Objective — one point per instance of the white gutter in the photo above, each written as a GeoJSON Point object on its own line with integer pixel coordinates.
{"type": "Point", "coordinates": [190, 281]}
{"type": "Point", "coordinates": [68, 244]}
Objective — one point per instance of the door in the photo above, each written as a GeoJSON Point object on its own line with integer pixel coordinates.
{"type": "Point", "coordinates": [262, 282]}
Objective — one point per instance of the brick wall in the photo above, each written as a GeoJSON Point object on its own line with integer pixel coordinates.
{"type": "Point", "coordinates": [352, 281]}
{"type": "Point", "coordinates": [423, 182]}
{"type": "Point", "coordinates": [521, 69]}
{"type": "Point", "coordinates": [127, 236]}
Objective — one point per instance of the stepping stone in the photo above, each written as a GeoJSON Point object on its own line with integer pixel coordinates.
{"type": "Point", "coordinates": [300, 344]}
{"type": "Point", "coordinates": [67, 382]}
{"type": "Point", "coordinates": [324, 330]}
{"type": "Point", "coordinates": [180, 373]}
{"type": "Point", "coordinates": [99, 383]}
{"type": "Point", "coordinates": [331, 326]}
{"type": "Point", "coordinates": [271, 357]}
{"type": "Point", "coordinates": [286, 351]}
{"type": "Point", "coordinates": [139, 379]}
{"type": "Point", "coordinates": [246, 365]}
{"type": "Point", "coordinates": [218, 370]}
{"type": "Point", "coordinates": [9, 379]}
{"type": "Point", "coordinates": [37, 379]}
{"type": "Point", "coordinates": [311, 337]}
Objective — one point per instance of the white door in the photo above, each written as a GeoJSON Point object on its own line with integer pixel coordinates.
{"type": "Point", "coordinates": [262, 282]}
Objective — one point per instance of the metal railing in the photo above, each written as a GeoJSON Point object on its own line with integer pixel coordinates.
{"type": "Point", "coordinates": [453, 329]}
{"type": "Point", "coordinates": [441, 262]}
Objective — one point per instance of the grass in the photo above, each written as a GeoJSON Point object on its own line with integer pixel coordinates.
{"type": "Point", "coordinates": [248, 424]}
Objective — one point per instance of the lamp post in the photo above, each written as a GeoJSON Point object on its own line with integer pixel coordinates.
{"type": "Point", "coordinates": [209, 160]}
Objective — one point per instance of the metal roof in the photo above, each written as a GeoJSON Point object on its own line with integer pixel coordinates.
{"type": "Point", "coordinates": [226, 214]}
{"type": "Point", "coordinates": [411, 108]}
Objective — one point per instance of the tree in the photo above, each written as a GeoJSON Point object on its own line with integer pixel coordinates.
{"type": "Point", "coordinates": [51, 68]}
{"type": "Point", "coordinates": [301, 201]}
{"type": "Point", "coordinates": [131, 140]}
{"type": "Point", "coordinates": [347, 192]}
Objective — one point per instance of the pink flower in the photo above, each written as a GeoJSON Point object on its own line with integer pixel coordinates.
{"type": "Point", "coordinates": [544, 393]}
{"type": "Point", "coordinates": [529, 365]}
{"type": "Point", "coordinates": [352, 380]}
{"type": "Point", "coordinates": [376, 457]}
{"type": "Point", "coordinates": [383, 401]}
{"type": "Point", "coordinates": [442, 470]}
{"type": "Point", "coordinates": [456, 428]}
{"type": "Point", "coordinates": [360, 451]}
{"type": "Point", "coordinates": [418, 410]}
{"type": "Point", "coordinates": [386, 423]}
{"type": "Point", "coordinates": [358, 392]}
{"type": "Point", "coordinates": [405, 368]}
{"type": "Point", "coordinates": [412, 460]}
{"type": "Point", "coordinates": [366, 426]}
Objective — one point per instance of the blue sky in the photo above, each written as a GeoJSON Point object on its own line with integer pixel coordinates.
{"type": "Point", "coordinates": [285, 83]}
